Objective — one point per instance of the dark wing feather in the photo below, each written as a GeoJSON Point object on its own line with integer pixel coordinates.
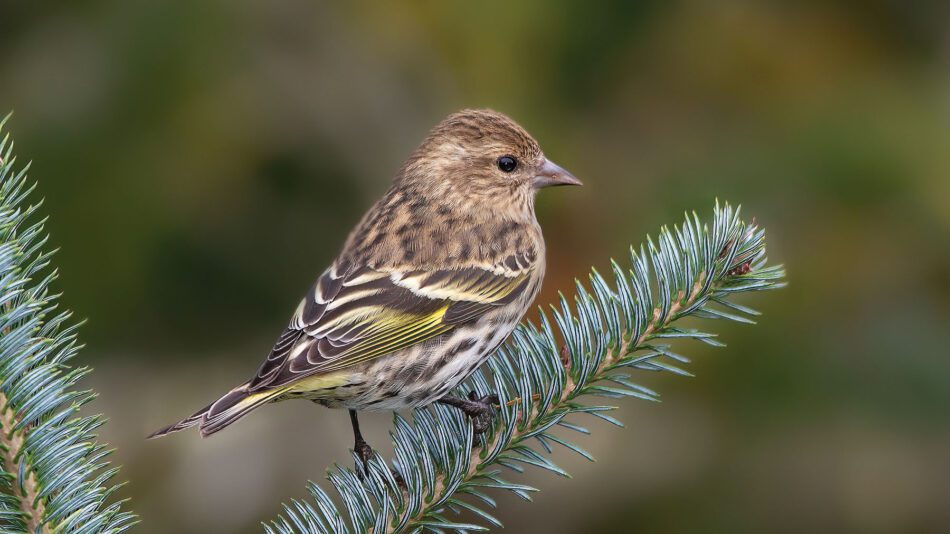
{"type": "Point", "coordinates": [355, 315]}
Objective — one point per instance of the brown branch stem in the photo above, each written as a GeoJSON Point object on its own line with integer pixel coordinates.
{"type": "Point", "coordinates": [26, 489]}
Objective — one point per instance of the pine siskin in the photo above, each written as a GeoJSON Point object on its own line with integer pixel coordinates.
{"type": "Point", "coordinates": [435, 277]}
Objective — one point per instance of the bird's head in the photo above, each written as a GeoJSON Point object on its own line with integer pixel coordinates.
{"type": "Point", "coordinates": [481, 159]}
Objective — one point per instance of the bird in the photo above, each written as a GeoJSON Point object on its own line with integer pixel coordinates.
{"type": "Point", "coordinates": [434, 277]}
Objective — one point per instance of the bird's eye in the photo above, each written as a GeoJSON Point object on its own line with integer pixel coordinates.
{"type": "Point", "coordinates": [507, 163]}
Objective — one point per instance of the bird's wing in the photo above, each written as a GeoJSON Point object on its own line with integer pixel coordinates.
{"type": "Point", "coordinates": [364, 313]}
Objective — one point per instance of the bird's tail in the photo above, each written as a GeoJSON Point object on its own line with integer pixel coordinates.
{"type": "Point", "coordinates": [222, 412]}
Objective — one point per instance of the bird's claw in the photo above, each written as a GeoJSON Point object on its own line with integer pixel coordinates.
{"type": "Point", "coordinates": [482, 422]}
{"type": "Point", "coordinates": [364, 451]}
{"type": "Point", "coordinates": [480, 409]}
{"type": "Point", "coordinates": [483, 412]}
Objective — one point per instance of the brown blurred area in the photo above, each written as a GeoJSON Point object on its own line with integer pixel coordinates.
{"type": "Point", "coordinates": [202, 163]}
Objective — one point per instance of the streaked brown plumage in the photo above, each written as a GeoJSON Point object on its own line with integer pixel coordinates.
{"type": "Point", "coordinates": [434, 277]}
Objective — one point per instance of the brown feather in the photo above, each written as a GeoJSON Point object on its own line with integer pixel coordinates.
{"type": "Point", "coordinates": [452, 255]}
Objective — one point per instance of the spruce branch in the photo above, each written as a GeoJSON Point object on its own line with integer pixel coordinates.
{"type": "Point", "coordinates": [584, 347]}
{"type": "Point", "coordinates": [26, 489]}
{"type": "Point", "coordinates": [53, 473]}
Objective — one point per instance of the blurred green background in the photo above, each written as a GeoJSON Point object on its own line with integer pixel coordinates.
{"type": "Point", "coordinates": [202, 163]}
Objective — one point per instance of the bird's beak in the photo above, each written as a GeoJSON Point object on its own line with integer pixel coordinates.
{"type": "Point", "coordinates": [552, 174]}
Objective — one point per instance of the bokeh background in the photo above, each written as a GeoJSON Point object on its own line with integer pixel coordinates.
{"type": "Point", "coordinates": [202, 163]}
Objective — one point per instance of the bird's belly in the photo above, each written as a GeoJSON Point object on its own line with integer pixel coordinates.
{"type": "Point", "coordinates": [419, 375]}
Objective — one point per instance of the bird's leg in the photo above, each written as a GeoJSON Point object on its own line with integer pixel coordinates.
{"type": "Point", "coordinates": [480, 409]}
{"type": "Point", "coordinates": [360, 447]}
{"type": "Point", "coordinates": [365, 452]}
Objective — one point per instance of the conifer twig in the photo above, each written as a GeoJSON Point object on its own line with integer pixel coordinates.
{"type": "Point", "coordinates": [583, 348]}
{"type": "Point", "coordinates": [24, 483]}
{"type": "Point", "coordinates": [53, 476]}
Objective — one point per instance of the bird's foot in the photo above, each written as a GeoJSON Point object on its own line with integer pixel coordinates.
{"type": "Point", "coordinates": [484, 413]}
{"type": "Point", "coordinates": [480, 409]}
{"type": "Point", "coordinates": [364, 452]}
